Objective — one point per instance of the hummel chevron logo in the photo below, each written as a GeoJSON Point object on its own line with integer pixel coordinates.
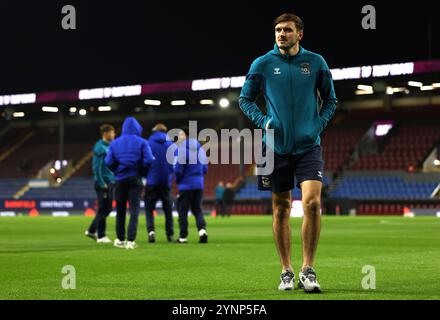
{"type": "Point", "coordinates": [276, 71]}
{"type": "Point", "coordinates": [320, 174]}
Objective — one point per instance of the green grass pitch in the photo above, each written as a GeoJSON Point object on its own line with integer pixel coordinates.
{"type": "Point", "coordinates": [239, 262]}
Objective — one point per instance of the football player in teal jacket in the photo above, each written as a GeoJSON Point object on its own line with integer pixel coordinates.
{"type": "Point", "coordinates": [293, 81]}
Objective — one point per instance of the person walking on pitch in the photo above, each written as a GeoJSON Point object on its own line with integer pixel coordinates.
{"type": "Point", "coordinates": [190, 170]}
{"type": "Point", "coordinates": [104, 185]}
{"type": "Point", "coordinates": [159, 181]}
{"type": "Point", "coordinates": [293, 80]}
{"type": "Point", "coordinates": [129, 157]}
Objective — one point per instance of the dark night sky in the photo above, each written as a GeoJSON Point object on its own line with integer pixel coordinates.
{"type": "Point", "coordinates": [126, 42]}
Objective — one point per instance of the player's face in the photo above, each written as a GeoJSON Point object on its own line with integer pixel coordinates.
{"type": "Point", "coordinates": [286, 35]}
{"type": "Point", "coordinates": [110, 135]}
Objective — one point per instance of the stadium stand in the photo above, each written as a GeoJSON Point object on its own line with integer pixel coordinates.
{"type": "Point", "coordinates": [44, 147]}
{"type": "Point", "coordinates": [20, 164]}
{"type": "Point", "coordinates": [404, 115]}
{"type": "Point", "coordinates": [385, 187]}
{"type": "Point", "coordinates": [11, 138]}
{"type": "Point", "coordinates": [392, 208]}
{"type": "Point", "coordinates": [74, 188]}
{"type": "Point", "coordinates": [9, 186]}
{"type": "Point", "coordinates": [250, 190]}
{"type": "Point", "coordinates": [413, 137]}
{"type": "Point", "coordinates": [337, 146]}
{"type": "Point", "coordinates": [407, 146]}
{"type": "Point", "coordinates": [218, 172]}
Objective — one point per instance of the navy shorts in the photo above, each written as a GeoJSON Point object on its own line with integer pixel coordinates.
{"type": "Point", "coordinates": [305, 166]}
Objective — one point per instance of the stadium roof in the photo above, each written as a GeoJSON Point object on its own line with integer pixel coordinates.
{"type": "Point", "coordinates": [132, 42]}
{"type": "Point", "coordinates": [350, 73]}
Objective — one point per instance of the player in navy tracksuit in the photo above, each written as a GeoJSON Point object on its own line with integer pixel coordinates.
{"type": "Point", "coordinates": [129, 157]}
{"type": "Point", "coordinates": [159, 181]}
{"type": "Point", "coordinates": [190, 169]}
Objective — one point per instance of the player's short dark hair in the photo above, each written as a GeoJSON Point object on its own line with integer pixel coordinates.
{"type": "Point", "coordinates": [299, 24]}
{"type": "Point", "coordinates": [106, 128]}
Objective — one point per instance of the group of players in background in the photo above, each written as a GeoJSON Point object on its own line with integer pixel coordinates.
{"type": "Point", "coordinates": [121, 164]}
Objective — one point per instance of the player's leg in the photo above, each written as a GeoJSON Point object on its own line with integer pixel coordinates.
{"type": "Point", "coordinates": [105, 207]}
{"type": "Point", "coordinates": [167, 205]}
{"type": "Point", "coordinates": [309, 169]}
{"type": "Point", "coordinates": [196, 209]}
{"type": "Point", "coordinates": [134, 201]}
{"type": "Point", "coordinates": [311, 226]}
{"type": "Point", "coordinates": [281, 182]}
{"type": "Point", "coordinates": [91, 231]}
{"type": "Point", "coordinates": [281, 205]}
{"type": "Point", "coordinates": [121, 196]}
{"type": "Point", "coordinates": [183, 203]}
{"type": "Point", "coordinates": [224, 208]}
{"type": "Point", "coordinates": [151, 196]}
{"type": "Point", "coordinates": [218, 209]}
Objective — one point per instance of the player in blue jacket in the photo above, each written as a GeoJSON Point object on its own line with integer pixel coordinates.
{"type": "Point", "coordinates": [129, 157]}
{"type": "Point", "coordinates": [292, 80]}
{"type": "Point", "coordinates": [159, 181]}
{"type": "Point", "coordinates": [191, 167]}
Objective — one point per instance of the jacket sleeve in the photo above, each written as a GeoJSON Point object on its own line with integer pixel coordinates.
{"type": "Point", "coordinates": [203, 160]}
{"type": "Point", "coordinates": [172, 165]}
{"type": "Point", "coordinates": [147, 157]}
{"type": "Point", "coordinates": [178, 172]}
{"type": "Point", "coordinates": [179, 167]}
{"type": "Point", "coordinates": [97, 168]}
{"type": "Point", "coordinates": [110, 160]}
{"type": "Point", "coordinates": [252, 87]}
{"type": "Point", "coordinates": [327, 92]}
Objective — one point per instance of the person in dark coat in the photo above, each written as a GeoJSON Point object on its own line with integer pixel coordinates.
{"type": "Point", "coordinates": [159, 181]}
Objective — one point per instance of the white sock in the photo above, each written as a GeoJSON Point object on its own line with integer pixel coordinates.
{"type": "Point", "coordinates": [202, 232]}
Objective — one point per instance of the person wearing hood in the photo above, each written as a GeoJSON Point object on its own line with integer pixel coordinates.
{"type": "Point", "coordinates": [300, 102]}
{"type": "Point", "coordinates": [191, 167]}
{"type": "Point", "coordinates": [159, 181]}
{"type": "Point", "coordinates": [129, 157]}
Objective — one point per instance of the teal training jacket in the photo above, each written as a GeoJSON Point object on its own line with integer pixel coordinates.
{"type": "Point", "coordinates": [102, 174]}
{"type": "Point", "coordinates": [292, 86]}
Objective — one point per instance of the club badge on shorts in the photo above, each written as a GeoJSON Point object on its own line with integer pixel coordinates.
{"type": "Point", "coordinates": [265, 181]}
